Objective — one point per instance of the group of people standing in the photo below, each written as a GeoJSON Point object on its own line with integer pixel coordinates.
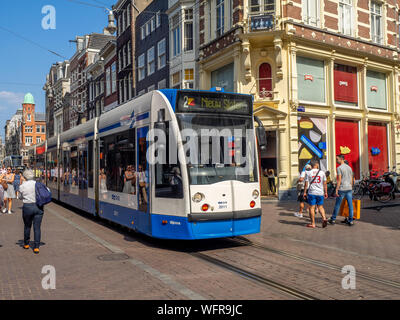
{"type": "Point", "coordinates": [10, 181]}
{"type": "Point", "coordinates": [313, 190]}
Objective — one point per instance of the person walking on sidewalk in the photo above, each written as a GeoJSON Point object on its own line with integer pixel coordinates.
{"type": "Point", "coordinates": [300, 188]}
{"type": "Point", "coordinates": [9, 194]}
{"type": "Point", "coordinates": [344, 189]}
{"type": "Point", "coordinates": [315, 183]}
{"type": "Point", "coordinates": [31, 212]}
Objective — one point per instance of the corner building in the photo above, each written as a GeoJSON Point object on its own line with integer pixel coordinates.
{"type": "Point", "coordinates": [324, 76]}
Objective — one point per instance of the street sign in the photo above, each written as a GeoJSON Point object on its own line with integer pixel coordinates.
{"type": "Point", "coordinates": [262, 22]}
{"type": "Point", "coordinates": [301, 109]}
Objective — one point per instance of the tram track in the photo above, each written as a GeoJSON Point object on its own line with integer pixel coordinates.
{"type": "Point", "coordinates": [289, 291]}
{"type": "Point", "coordinates": [246, 242]}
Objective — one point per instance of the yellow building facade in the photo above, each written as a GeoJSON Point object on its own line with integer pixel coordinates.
{"type": "Point", "coordinates": [318, 93]}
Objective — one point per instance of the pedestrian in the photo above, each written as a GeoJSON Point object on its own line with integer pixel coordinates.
{"type": "Point", "coordinates": [300, 189]}
{"type": "Point", "coordinates": [315, 184]}
{"type": "Point", "coordinates": [17, 181]}
{"type": "Point", "coordinates": [344, 189]}
{"type": "Point", "coordinates": [271, 181]}
{"type": "Point", "coordinates": [31, 212]}
{"type": "Point", "coordinates": [9, 194]}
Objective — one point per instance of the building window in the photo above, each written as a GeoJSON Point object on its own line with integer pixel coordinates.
{"type": "Point", "coordinates": [376, 90]}
{"type": "Point", "coordinates": [220, 16]}
{"type": "Point", "coordinates": [162, 84]}
{"type": "Point", "coordinates": [39, 139]}
{"type": "Point", "coordinates": [265, 81]}
{"type": "Point", "coordinates": [261, 6]}
{"type": "Point", "coordinates": [108, 78]}
{"type": "Point", "coordinates": [113, 77]}
{"type": "Point", "coordinates": [189, 35]}
{"type": "Point", "coordinates": [148, 28]}
{"type": "Point", "coordinates": [223, 78]}
{"type": "Point", "coordinates": [28, 117]}
{"type": "Point", "coordinates": [189, 74]}
{"type": "Point", "coordinates": [28, 140]}
{"type": "Point", "coordinates": [141, 68]}
{"type": "Point", "coordinates": [128, 16]}
{"type": "Point", "coordinates": [376, 22]}
{"type": "Point", "coordinates": [38, 129]}
{"type": "Point", "coordinates": [129, 47]}
{"type": "Point", "coordinates": [176, 80]}
{"type": "Point", "coordinates": [345, 16]}
{"type": "Point", "coordinates": [151, 63]}
{"type": "Point", "coordinates": [153, 23]}
{"type": "Point", "coordinates": [345, 84]}
{"type": "Point", "coordinates": [130, 86]}
{"type": "Point", "coordinates": [158, 19]}
{"type": "Point", "coordinates": [28, 129]}
{"type": "Point", "coordinates": [176, 36]}
{"type": "Point", "coordinates": [311, 12]}
{"type": "Point", "coordinates": [162, 57]}
{"type": "Point", "coordinates": [311, 80]}
{"type": "Point", "coordinates": [143, 31]}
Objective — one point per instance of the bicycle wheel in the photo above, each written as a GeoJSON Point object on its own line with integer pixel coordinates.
{"type": "Point", "coordinates": [384, 197]}
{"type": "Point", "coordinates": [358, 192]}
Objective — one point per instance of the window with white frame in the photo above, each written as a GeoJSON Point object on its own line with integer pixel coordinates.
{"type": "Point", "coordinates": [376, 22]}
{"type": "Point", "coordinates": [28, 140]}
{"type": "Point", "coordinates": [113, 77]}
{"type": "Point", "coordinates": [162, 56]}
{"type": "Point", "coordinates": [38, 128]}
{"type": "Point", "coordinates": [143, 32]}
{"type": "Point", "coordinates": [220, 17]}
{"type": "Point", "coordinates": [158, 19]}
{"type": "Point", "coordinates": [141, 68]}
{"type": "Point", "coordinates": [151, 63]}
{"type": "Point", "coordinates": [148, 28]}
{"type": "Point", "coordinates": [39, 139]}
{"type": "Point", "coordinates": [310, 12]}
{"type": "Point", "coordinates": [188, 29]}
{"type": "Point", "coordinates": [128, 16]}
{"type": "Point", "coordinates": [261, 6]}
{"type": "Point", "coordinates": [108, 77]}
{"type": "Point", "coordinates": [124, 56]}
{"type": "Point", "coordinates": [123, 21]}
{"type": "Point", "coordinates": [153, 23]}
{"type": "Point", "coordinates": [176, 36]}
{"type": "Point", "coordinates": [345, 16]}
{"type": "Point", "coordinates": [130, 86]}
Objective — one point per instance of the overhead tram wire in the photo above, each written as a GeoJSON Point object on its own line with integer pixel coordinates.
{"type": "Point", "coordinates": [32, 42]}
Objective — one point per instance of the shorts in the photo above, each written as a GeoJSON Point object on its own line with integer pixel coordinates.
{"type": "Point", "coordinates": [315, 200]}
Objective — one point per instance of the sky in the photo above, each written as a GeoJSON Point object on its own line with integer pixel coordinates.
{"type": "Point", "coordinates": [23, 64]}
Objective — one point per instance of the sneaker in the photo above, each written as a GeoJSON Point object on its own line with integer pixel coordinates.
{"type": "Point", "coordinates": [345, 220]}
{"type": "Point", "coordinates": [36, 250]}
{"type": "Point", "coordinates": [350, 224]}
{"type": "Point", "coordinates": [331, 221]}
{"type": "Point", "coordinates": [26, 246]}
{"type": "Point", "coordinates": [4, 210]}
{"type": "Point", "coordinates": [298, 215]}
{"type": "Point", "coordinates": [9, 212]}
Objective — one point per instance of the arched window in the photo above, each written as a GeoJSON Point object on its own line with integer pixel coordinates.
{"type": "Point", "coordinates": [265, 81]}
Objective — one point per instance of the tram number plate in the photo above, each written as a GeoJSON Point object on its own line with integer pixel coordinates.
{"type": "Point", "coordinates": [222, 204]}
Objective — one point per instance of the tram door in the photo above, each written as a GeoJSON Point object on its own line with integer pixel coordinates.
{"type": "Point", "coordinates": [83, 176]}
{"type": "Point", "coordinates": [143, 178]}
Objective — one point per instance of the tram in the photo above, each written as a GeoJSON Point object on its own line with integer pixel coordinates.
{"type": "Point", "coordinates": [14, 162]}
{"type": "Point", "coordinates": [106, 166]}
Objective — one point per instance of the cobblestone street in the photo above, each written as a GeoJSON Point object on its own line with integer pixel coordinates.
{"type": "Point", "coordinates": [96, 260]}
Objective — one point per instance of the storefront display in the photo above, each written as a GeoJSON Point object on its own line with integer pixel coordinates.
{"type": "Point", "coordinates": [312, 141]}
{"type": "Point", "coordinates": [345, 80]}
{"type": "Point", "coordinates": [377, 147]}
{"type": "Point", "coordinates": [376, 90]}
{"type": "Point", "coordinates": [310, 80]}
{"type": "Point", "coordinates": [348, 143]}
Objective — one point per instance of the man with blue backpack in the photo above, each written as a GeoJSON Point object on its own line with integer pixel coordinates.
{"type": "Point", "coordinates": [34, 195]}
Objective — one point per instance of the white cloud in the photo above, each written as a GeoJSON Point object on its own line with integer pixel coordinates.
{"type": "Point", "coordinates": [9, 97]}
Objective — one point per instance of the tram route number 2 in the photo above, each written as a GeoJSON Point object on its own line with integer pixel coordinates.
{"type": "Point", "coordinates": [207, 310]}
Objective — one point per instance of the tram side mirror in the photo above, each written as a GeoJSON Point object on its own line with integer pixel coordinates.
{"type": "Point", "coordinates": [262, 138]}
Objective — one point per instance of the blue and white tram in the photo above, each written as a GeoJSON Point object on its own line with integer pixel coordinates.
{"type": "Point", "coordinates": [101, 167]}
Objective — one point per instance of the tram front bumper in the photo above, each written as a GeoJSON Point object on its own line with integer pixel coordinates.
{"type": "Point", "coordinates": [234, 215]}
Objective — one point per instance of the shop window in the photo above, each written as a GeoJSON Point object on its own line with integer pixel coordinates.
{"type": "Point", "coordinates": [376, 90]}
{"type": "Point", "coordinates": [377, 147]}
{"type": "Point", "coordinates": [310, 80]}
{"type": "Point", "coordinates": [345, 79]}
{"type": "Point", "coordinates": [223, 78]}
{"type": "Point", "coordinates": [265, 81]}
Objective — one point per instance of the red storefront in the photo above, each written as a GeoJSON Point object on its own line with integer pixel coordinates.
{"type": "Point", "coordinates": [348, 143]}
{"type": "Point", "coordinates": [377, 147]}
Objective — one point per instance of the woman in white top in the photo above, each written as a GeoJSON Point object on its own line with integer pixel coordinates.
{"type": "Point", "coordinates": [31, 213]}
{"type": "Point", "coordinates": [9, 194]}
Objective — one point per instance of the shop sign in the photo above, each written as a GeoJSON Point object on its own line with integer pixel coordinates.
{"type": "Point", "coordinates": [308, 77]}
{"type": "Point", "coordinates": [343, 83]}
{"type": "Point", "coordinates": [262, 22]}
{"type": "Point", "coordinates": [374, 88]}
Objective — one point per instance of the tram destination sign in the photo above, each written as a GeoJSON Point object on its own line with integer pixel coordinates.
{"type": "Point", "coordinates": [210, 102]}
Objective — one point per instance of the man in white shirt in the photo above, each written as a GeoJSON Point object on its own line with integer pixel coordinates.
{"type": "Point", "coordinates": [315, 183]}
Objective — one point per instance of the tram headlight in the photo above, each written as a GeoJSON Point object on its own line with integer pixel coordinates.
{"type": "Point", "coordinates": [256, 194]}
{"type": "Point", "coordinates": [198, 197]}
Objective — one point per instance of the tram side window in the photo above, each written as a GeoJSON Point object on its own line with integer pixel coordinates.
{"type": "Point", "coordinates": [74, 166]}
{"type": "Point", "coordinates": [118, 161]}
{"type": "Point", "coordinates": [90, 164]}
{"type": "Point", "coordinates": [168, 176]}
{"type": "Point", "coordinates": [67, 177]}
{"type": "Point", "coordinates": [53, 165]}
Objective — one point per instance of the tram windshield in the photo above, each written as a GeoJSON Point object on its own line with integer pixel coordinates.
{"type": "Point", "coordinates": [223, 147]}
